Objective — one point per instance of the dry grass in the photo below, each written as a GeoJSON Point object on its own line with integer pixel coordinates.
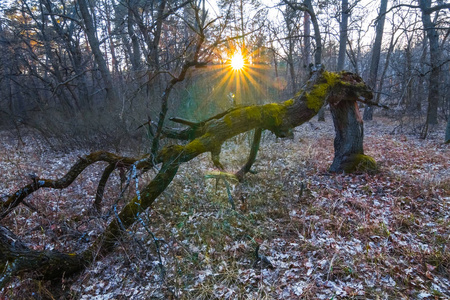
{"type": "Point", "coordinates": [328, 236]}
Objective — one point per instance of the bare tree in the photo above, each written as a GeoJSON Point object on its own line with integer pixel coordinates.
{"type": "Point", "coordinates": [348, 123]}
{"type": "Point", "coordinates": [89, 27]}
{"type": "Point", "coordinates": [343, 35]}
{"type": "Point", "coordinates": [376, 53]}
{"type": "Point", "coordinates": [435, 60]}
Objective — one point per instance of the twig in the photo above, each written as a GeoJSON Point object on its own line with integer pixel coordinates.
{"type": "Point", "coordinates": [372, 103]}
{"type": "Point", "coordinates": [330, 268]}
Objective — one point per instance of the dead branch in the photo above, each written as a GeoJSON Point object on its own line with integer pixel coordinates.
{"type": "Point", "coordinates": [15, 199]}
{"type": "Point", "coordinates": [252, 156]}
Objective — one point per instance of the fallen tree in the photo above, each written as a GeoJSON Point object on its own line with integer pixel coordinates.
{"type": "Point", "coordinates": [340, 90]}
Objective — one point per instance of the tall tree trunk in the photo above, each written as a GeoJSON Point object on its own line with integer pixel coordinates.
{"type": "Point", "coordinates": [154, 50]}
{"type": "Point", "coordinates": [376, 52]}
{"type": "Point", "coordinates": [421, 80]}
{"type": "Point", "coordinates": [291, 54]}
{"type": "Point", "coordinates": [343, 35]}
{"type": "Point", "coordinates": [111, 92]}
{"type": "Point", "coordinates": [447, 132]}
{"type": "Point", "coordinates": [435, 55]}
{"type": "Point", "coordinates": [112, 47]}
{"type": "Point", "coordinates": [317, 35]}
{"type": "Point", "coordinates": [292, 71]}
{"type": "Point", "coordinates": [318, 53]}
{"type": "Point", "coordinates": [136, 53]}
{"type": "Point", "coordinates": [392, 44]}
{"type": "Point", "coordinates": [307, 33]}
{"type": "Point", "coordinates": [289, 18]}
{"type": "Point", "coordinates": [410, 81]}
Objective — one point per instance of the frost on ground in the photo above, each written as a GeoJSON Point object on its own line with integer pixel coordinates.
{"type": "Point", "coordinates": [362, 236]}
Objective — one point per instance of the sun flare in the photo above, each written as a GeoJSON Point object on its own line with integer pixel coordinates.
{"type": "Point", "coordinates": [237, 61]}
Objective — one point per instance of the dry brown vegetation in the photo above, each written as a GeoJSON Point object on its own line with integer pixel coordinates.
{"type": "Point", "coordinates": [362, 236]}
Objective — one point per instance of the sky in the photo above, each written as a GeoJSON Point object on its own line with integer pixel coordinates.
{"type": "Point", "coordinates": [366, 8]}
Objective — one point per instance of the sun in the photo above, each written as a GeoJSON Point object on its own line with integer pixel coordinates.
{"type": "Point", "coordinates": [237, 61]}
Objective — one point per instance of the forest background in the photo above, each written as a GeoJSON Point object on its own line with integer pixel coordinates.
{"type": "Point", "coordinates": [59, 82]}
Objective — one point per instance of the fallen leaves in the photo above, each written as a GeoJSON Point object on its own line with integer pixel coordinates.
{"type": "Point", "coordinates": [326, 235]}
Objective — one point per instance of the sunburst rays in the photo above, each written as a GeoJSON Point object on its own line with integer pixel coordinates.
{"type": "Point", "coordinates": [236, 77]}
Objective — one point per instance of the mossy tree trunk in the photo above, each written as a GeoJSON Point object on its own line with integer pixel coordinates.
{"type": "Point", "coordinates": [340, 89]}
{"type": "Point", "coordinates": [348, 143]}
{"type": "Point", "coordinates": [349, 134]}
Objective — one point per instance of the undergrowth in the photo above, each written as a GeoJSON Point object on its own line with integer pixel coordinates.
{"type": "Point", "coordinates": [297, 231]}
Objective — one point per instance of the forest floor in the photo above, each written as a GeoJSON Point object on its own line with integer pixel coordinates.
{"type": "Point", "coordinates": [319, 235]}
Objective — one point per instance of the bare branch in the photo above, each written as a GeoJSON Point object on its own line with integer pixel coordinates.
{"type": "Point", "coordinates": [15, 199]}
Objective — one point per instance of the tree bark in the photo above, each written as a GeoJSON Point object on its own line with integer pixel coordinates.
{"type": "Point", "coordinates": [376, 52]}
{"type": "Point", "coordinates": [289, 19]}
{"type": "Point", "coordinates": [307, 33]}
{"type": "Point", "coordinates": [135, 54]}
{"type": "Point", "coordinates": [435, 55]}
{"type": "Point", "coordinates": [112, 47]}
{"type": "Point", "coordinates": [343, 34]}
{"type": "Point", "coordinates": [17, 259]}
{"type": "Point", "coordinates": [348, 144]}
{"type": "Point", "coordinates": [95, 47]}
{"type": "Point", "coordinates": [447, 132]}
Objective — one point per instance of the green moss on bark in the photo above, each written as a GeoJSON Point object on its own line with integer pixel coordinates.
{"type": "Point", "coordinates": [196, 146]}
{"type": "Point", "coordinates": [275, 112]}
{"type": "Point", "coordinates": [288, 103]}
{"type": "Point", "coordinates": [359, 163]}
{"type": "Point", "coordinates": [253, 113]}
{"type": "Point", "coordinates": [332, 78]}
{"type": "Point", "coordinates": [317, 97]}
{"type": "Point", "coordinates": [167, 152]}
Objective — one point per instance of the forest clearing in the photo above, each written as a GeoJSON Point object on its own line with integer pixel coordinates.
{"type": "Point", "coordinates": [354, 236]}
{"type": "Point", "coordinates": [167, 149]}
